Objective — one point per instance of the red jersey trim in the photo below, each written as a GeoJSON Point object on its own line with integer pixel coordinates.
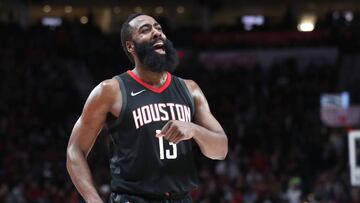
{"type": "Point", "coordinates": [147, 86]}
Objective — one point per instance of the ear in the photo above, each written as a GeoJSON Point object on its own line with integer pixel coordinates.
{"type": "Point", "coordinates": [130, 46]}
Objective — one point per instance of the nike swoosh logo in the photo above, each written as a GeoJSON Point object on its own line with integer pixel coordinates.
{"type": "Point", "coordinates": [136, 93]}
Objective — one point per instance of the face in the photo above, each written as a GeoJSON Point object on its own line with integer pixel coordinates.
{"type": "Point", "coordinates": [151, 46]}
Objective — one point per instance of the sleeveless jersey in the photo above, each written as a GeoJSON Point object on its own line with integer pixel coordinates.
{"type": "Point", "coordinates": [141, 163]}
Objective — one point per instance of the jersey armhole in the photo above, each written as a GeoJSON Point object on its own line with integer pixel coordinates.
{"type": "Point", "coordinates": [118, 120]}
{"type": "Point", "coordinates": [190, 98]}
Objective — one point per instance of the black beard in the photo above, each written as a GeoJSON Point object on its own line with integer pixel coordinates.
{"type": "Point", "coordinates": [156, 62]}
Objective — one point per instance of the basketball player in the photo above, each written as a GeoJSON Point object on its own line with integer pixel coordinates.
{"type": "Point", "coordinates": [155, 120]}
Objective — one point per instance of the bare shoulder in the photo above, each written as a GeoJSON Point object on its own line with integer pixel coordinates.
{"type": "Point", "coordinates": [198, 96]}
{"type": "Point", "coordinates": [194, 89]}
{"type": "Point", "coordinates": [109, 85]}
{"type": "Point", "coordinates": [200, 101]}
{"type": "Point", "coordinates": [106, 89]}
{"type": "Point", "coordinates": [192, 85]}
{"type": "Point", "coordinates": [105, 94]}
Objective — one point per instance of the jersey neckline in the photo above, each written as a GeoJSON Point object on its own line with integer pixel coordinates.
{"type": "Point", "coordinates": [149, 87]}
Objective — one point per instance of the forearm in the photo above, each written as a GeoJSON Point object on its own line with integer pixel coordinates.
{"type": "Point", "coordinates": [213, 145]}
{"type": "Point", "coordinates": [80, 174]}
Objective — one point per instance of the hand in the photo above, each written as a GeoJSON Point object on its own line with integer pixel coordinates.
{"type": "Point", "coordinates": [175, 131]}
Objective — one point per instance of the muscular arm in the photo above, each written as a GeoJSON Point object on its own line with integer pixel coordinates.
{"type": "Point", "coordinates": [206, 130]}
{"type": "Point", "coordinates": [101, 101]}
{"type": "Point", "coordinates": [208, 133]}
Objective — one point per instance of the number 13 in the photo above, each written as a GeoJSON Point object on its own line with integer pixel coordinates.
{"type": "Point", "coordinates": [167, 151]}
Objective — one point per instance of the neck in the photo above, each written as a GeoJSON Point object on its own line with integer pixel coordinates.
{"type": "Point", "coordinates": [152, 78]}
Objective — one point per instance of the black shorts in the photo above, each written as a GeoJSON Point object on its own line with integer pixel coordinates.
{"type": "Point", "coordinates": [130, 198]}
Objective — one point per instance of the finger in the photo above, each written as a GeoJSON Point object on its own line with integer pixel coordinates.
{"type": "Point", "coordinates": [178, 139]}
{"type": "Point", "coordinates": [159, 134]}
{"type": "Point", "coordinates": [173, 135]}
{"type": "Point", "coordinates": [166, 127]}
{"type": "Point", "coordinates": [170, 132]}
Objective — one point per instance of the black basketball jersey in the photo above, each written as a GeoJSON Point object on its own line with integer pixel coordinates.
{"type": "Point", "coordinates": [141, 163]}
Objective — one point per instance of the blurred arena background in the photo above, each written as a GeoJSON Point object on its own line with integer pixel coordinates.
{"type": "Point", "coordinates": [282, 77]}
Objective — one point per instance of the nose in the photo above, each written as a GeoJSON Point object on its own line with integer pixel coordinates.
{"type": "Point", "coordinates": [157, 33]}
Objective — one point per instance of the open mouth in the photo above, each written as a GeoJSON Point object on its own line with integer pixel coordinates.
{"type": "Point", "coordinates": [159, 47]}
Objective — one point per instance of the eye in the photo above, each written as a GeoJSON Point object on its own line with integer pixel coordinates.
{"type": "Point", "coordinates": [145, 30]}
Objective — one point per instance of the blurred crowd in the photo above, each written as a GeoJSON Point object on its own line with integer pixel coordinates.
{"type": "Point", "coordinates": [280, 152]}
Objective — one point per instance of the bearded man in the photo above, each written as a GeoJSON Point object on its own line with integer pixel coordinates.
{"type": "Point", "coordinates": [154, 119]}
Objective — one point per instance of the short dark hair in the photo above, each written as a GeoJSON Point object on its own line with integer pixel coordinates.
{"type": "Point", "coordinates": [126, 33]}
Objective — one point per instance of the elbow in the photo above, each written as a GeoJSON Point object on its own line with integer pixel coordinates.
{"type": "Point", "coordinates": [72, 156]}
{"type": "Point", "coordinates": [219, 156]}
{"type": "Point", "coordinates": [69, 158]}
{"type": "Point", "coordinates": [222, 155]}
{"type": "Point", "coordinates": [225, 149]}
{"type": "Point", "coordinates": [222, 152]}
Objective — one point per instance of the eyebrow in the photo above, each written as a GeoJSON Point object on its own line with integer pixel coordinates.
{"type": "Point", "coordinates": [148, 24]}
